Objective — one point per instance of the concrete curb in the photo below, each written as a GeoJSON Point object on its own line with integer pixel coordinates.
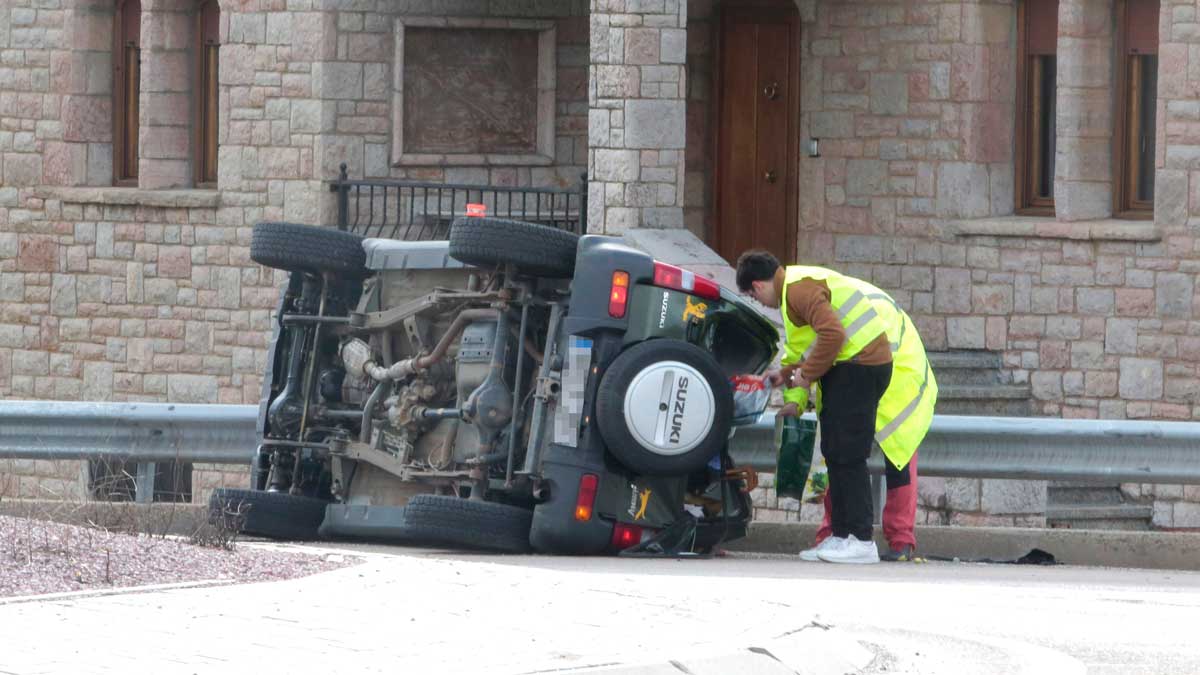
{"type": "Point", "coordinates": [1093, 548]}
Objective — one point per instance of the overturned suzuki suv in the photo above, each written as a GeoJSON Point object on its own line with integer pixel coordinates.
{"type": "Point", "coordinates": [516, 387]}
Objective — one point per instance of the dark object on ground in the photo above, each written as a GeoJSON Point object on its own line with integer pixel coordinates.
{"type": "Point", "coordinates": [677, 541]}
{"type": "Point", "coordinates": [1035, 557]}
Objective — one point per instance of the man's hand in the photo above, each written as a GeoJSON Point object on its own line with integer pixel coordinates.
{"type": "Point", "coordinates": [789, 410]}
{"type": "Point", "coordinates": [775, 377]}
{"type": "Point", "coordinates": [798, 382]}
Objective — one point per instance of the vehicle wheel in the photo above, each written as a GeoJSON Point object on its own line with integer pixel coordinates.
{"type": "Point", "coordinates": [455, 522]}
{"type": "Point", "coordinates": [277, 515]}
{"type": "Point", "coordinates": [664, 408]}
{"type": "Point", "coordinates": [304, 248]}
{"type": "Point", "coordinates": [533, 249]}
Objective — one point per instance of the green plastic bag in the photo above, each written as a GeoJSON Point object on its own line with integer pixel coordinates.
{"type": "Point", "coordinates": [795, 437]}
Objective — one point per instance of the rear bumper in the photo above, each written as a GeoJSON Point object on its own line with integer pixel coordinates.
{"type": "Point", "coordinates": [555, 529]}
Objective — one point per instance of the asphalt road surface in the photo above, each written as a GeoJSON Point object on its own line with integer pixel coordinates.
{"type": "Point", "coordinates": [407, 610]}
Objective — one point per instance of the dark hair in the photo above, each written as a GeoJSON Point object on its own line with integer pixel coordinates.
{"type": "Point", "coordinates": [755, 266]}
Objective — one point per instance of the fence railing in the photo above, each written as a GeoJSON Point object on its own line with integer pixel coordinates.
{"type": "Point", "coordinates": [1034, 448]}
{"type": "Point", "coordinates": [416, 211]}
{"type": "Point", "coordinates": [957, 446]}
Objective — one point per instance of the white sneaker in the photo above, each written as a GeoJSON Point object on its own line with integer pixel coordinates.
{"type": "Point", "coordinates": [827, 544]}
{"type": "Point", "coordinates": [853, 551]}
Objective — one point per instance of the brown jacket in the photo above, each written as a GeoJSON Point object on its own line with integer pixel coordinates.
{"type": "Point", "coordinates": [808, 304]}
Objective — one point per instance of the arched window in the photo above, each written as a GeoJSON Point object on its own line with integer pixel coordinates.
{"type": "Point", "coordinates": [206, 91]}
{"type": "Point", "coordinates": [127, 48]}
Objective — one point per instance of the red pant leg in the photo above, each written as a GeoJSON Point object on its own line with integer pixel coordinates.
{"type": "Point", "coordinates": [826, 528]}
{"type": "Point", "coordinates": [900, 512]}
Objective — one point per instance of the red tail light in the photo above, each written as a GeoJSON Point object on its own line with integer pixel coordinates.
{"type": "Point", "coordinates": [619, 296]}
{"type": "Point", "coordinates": [625, 535]}
{"type": "Point", "coordinates": [670, 276]}
{"type": "Point", "coordinates": [587, 496]}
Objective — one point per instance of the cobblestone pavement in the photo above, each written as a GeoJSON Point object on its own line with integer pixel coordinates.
{"type": "Point", "coordinates": [425, 611]}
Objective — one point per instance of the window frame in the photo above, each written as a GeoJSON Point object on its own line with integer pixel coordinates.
{"type": "Point", "coordinates": [1027, 203]}
{"type": "Point", "coordinates": [126, 113]}
{"type": "Point", "coordinates": [1125, 170]}
{"type": "Point", "coordinates": [207, 94]}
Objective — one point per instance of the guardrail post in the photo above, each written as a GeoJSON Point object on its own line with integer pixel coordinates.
{"type": "Point", "coordinates": [879, 489]}
{"type": "Point", "coordinates": [144, 483]}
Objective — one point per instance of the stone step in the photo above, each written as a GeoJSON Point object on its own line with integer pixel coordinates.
{"type": "Point", "coordinates": [984, 408]}
{"type": "Point", "coordinates": [1117, 524]}
{"type": "Point", "coordinates": [983, 392]}
{"type": "Point", "coordinates": [1101, 517]}
{"type": "Point", "coordinates": [978, 360]}
{"type": "Point", "coordinates": [968, 368]}
{"type": "Point", "coordinates": [1084, 495]}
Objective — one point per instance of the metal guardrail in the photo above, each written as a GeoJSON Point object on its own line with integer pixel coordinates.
{"type": "Point", "coordinates": [957, 446]}
{"type": "Point", "coordinates": [137, 432]}
{"type": "Point", "coordinates": [1034, 448]}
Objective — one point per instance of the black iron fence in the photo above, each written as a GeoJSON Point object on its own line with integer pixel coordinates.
{"type": "Point", "coordinates": [414, 211]}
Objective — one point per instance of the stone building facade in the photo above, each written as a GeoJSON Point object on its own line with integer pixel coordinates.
{"type": "Point", "coordinates": [906, 160]}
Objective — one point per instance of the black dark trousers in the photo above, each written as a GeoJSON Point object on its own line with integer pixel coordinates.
{"type": "Point", "coordinates": [850, 395]}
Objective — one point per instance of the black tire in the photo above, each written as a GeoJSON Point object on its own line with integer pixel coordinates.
{"type": "Point", "coordinates": [277, 515]}
{"type": "Point", "coordinates": [304, 248]}
{"type": "Point", "coordinates": [615, 429]}
{"type": "Point", "coordinates": [537, 250]}
{"type": "Point", "coordinates": [462, 523]}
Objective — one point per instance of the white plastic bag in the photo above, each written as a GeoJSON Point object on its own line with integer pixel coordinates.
{"type": "Point", "coordinates": [751, 394]}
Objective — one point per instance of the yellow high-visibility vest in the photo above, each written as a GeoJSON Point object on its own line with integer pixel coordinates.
{"type": "Point", "coordinates": [906, 409]}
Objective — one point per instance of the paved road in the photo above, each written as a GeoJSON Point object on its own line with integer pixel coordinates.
{"type": "Point", "coordinates": [421, 611]}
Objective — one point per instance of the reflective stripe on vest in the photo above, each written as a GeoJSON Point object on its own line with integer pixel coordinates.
{"type": "Point", "coordinates": [854, 311]}
{"type": "Point", "coordinates": [886, 432]}
{"type": "Point", "coordinates": [906, 409]}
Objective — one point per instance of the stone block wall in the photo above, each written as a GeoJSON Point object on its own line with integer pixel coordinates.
{"type": "Point", "coordinates": [127, 301]}
{"type": "Point", "coordinates": [39, 479]}
{"type": "Point", "coordinates": [166, 97]}
{"type": "Point", "coordinates": [1176, 507]}
{"type": "Point", "coordinates": [1100, 316]}
{"type": "Point", "coordinates": [206, 478]}
{"type": "Point", "coordinates": [637, 114]}
{"type": "Point", "coordinates": [968, 502]}
{"type": "Point", "coordinates": [1084, 180]}
{"type": "Point", "coordinates": [699, 164]}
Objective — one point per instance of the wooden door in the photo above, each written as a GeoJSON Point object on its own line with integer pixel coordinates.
{"type": "Point", "coordinates": [758, 114]}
